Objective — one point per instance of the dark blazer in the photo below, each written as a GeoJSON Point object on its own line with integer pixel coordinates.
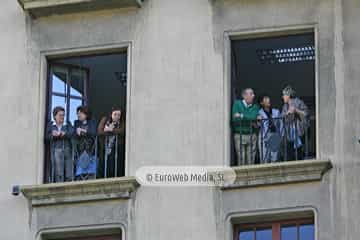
{"type": "Point", "coordinates": [85, 142]}
{"type": "Point", "coordinates": [89, 125]}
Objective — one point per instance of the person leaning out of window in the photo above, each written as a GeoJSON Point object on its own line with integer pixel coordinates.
{"type": "Point", "coordinates": [59, 134]}
{"type": "Point", "coordinates": [244, 115]}
{"type": "Point", "coordinates": [85, 136]}
{"type": "Point", "coordinates": [112, 142]}
{"type": "Point", "coordinates": [296, 123]}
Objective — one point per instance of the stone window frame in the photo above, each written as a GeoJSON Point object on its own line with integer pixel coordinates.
{"type": "Point", "coordinates": [47, 55]}
{"type": "Point", "coordinates": [274, 225]}
{"type": "Point", "coordinates": [230, 35]}
{"type": "Point", "coordinates": [233, 219]}
{"type": "Point", "coordinates": [90, 231]}
{"type": "Point", "coordinates": [40, 8]}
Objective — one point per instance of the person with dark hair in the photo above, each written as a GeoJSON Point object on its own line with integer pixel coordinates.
{"type": "Point", "coordinates": [112, 130]}
{"type": "Point", "coordinates": [244, 114]}
{"type": "Point", "coordinates": [296, 123]}
{"type": "Point", "coordinates": [85, 135]}
{"type": "Point", "coordinates": [270, 131]}
{"type": "Point", "coordinates": [59, 133]}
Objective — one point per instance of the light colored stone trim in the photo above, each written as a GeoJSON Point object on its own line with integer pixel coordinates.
{"type": "Point", "coordinates": [81, 231]}
{"type": "Point", "coordinates": [38, 8]}
{"type": "Point", "coordinates": [279, 173]}
{"type": "Point", "coordinates": [80, 191]}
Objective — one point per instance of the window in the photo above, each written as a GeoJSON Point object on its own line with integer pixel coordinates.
{"type": "Point", "coordinates": [68, 88]}
{"type": "Point", "coordinates": [273, 98]}
{"type": "Point", "coordinates": [301, 229]}
{"type": "Point", "coordinates": [105, 237]}
{"type": "Point", "coordinates": [91, 235]}
{"type": "Point", "coordinates": [97, 84]}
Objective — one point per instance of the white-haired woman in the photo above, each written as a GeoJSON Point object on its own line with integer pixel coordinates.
{"type": "Point", "coordinates": [296, 123]}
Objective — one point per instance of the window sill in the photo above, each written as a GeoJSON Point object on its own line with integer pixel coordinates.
{"type": "Point", "coordinates": [41, 8]}
{"type": "Point", "coordinates": [80, 191]}
{"type": "Point", "coordinates": [279, 173]}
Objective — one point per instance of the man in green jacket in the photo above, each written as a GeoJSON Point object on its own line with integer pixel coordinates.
{"type": "Point", "coordinates": [244, 115]}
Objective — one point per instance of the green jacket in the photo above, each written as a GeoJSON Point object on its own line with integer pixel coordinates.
{"type": "Point", "coordinates": [248, 114]}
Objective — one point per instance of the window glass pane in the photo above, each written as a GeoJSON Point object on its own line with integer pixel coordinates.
{"type": "Point", "coordinates": [289, 233]}
{"type": "Point", "coordinates": [74, 103]}
{"type": "Point", "coordinates": [77, 79]}
{"type": "Point", "coordinates": [57, 101]}
{"type": "Point", "coordinates": [264, 234]}
{"type": "Point", "coordinates": [247, 235]}
{"type": "Point", "coordinates": [307, 232]}
{"type": "Point", "coordinates": [59, 82]}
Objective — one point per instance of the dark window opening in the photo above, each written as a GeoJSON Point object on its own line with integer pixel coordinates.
{"type": "Point", "coordinates": [92, 146]}
{"type": "Point", "coordinates": [268, 68]}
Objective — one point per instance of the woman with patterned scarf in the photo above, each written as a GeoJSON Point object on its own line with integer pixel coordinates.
{"type": "Point", "coordinates": [111, 130]}
{"type": "Point", "coordinates": [270, 131]}
{"type": "Point", "coordinates": [296, 123]}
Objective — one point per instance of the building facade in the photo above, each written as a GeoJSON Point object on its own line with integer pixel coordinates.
{"type": "Point", "coordinates": [177, 98]}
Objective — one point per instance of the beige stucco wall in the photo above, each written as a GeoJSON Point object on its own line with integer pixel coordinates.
{"type": "Point", "coordinates": [177, 109]}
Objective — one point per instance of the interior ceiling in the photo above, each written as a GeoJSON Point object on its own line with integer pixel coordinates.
{"type": "Point", "coordinates": [109, 63]}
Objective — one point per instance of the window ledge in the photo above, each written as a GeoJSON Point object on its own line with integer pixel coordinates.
{"type": "Point", "coordinates": [41, 8]}
{"type": "Point", "coordinates": [279, 173]}
{"type": "Point", "coordinates": [80, 191]}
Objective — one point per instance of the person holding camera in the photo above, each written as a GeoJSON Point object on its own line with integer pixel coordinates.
{"type": "Point", "coordinates": [59, 134]}
{"type": "Point", "coordinates": [85, 136]}
{"type": "Point", "coordinates": [112, 141]}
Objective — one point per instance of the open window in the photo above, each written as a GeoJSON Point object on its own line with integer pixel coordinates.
{"type": "Point", "coordinates": [69, 87]}
{"type": "Point", "coordinates": [97, 84]}
{"type": "Point", "coordinates": [270, 66]}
